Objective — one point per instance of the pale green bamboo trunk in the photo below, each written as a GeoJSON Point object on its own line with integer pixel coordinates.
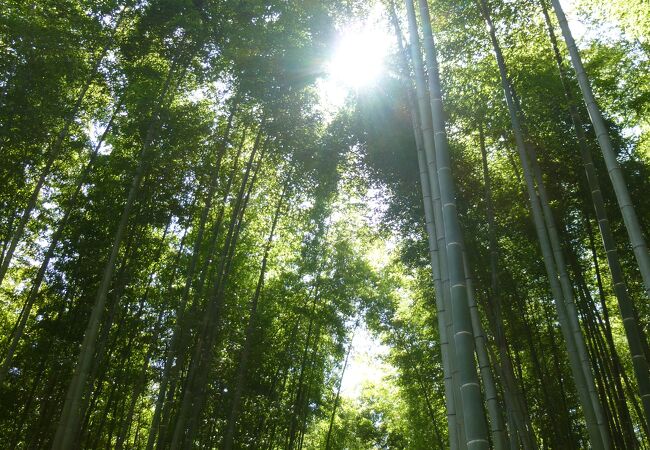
{"type": "Point", "coordinates": [576, 361]}
{"type": "Point", "coordinates": [634, 231]}
{"type": "Point", "coordinates": [476, 435]}
{"type": "Point", "coordinates": [497, 427]}
{"type": "Point", "coordinates": [437, 281]}
{"type": "Point", "coordinates": [436, 233]}
{"type": "Point", "coordinates": [625, 304]}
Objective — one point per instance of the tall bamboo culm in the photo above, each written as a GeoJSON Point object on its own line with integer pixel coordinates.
{"type": "Point", "coordinates": [597, 437]}
{"type": "Point", "coordinates": [476, 435]}
{"type": "Point", "coordinates": [634, 231]}
{"type": "Point", "coordinates": [435, 269]}
{"type": "Point", "coordinates": [431, 193]}
{"type": "Point", "coordinates": [497, 426]}
{"type": "Point", "coordinates": [625, 304]}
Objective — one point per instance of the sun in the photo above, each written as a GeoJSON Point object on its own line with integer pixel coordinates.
{"type": "Point", "coordinates": [357, 58]}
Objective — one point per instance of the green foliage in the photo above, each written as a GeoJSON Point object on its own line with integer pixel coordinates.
{"type": "Point", "coordinates": [213, 108]}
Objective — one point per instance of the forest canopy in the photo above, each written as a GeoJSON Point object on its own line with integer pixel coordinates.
{"type": "Point", "coordinates": [352, 224]}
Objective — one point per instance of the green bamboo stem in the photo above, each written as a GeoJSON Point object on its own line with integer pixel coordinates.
{"type": "Point", "coordinates": [476, 434]}
{"type": "Point", "coordinates": [567, 292]}
{"type": "Point", "coordinates": [625, 304]}
{"type": "Point", "coordinates": [437, 281]}
{"type": "Point", "coordinates": [637, 240]}
{"type": "Point", "coordinates": [497, 426]}
{"type": "Point", "coordinates": [428, 169]}
{"type": "Point", "coordinates": [545, 245]}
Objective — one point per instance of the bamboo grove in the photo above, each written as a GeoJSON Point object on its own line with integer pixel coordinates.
{"type": "Point", "coordinates": [190, 245]}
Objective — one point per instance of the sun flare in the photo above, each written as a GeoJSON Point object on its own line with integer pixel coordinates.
{"type": "Point", "coordinates": [356, 60]}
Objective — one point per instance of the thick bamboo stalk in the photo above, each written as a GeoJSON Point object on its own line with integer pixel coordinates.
{"type": "Point", "coordinates": [637, 240]}
{"type": "Point", "coordinates": [457, 433]}
{"type": "Point", "coordinates": [545, 244]}
{"type": "Point", "coordinates": [497, 426]}
{"type": "Point", "coordinates": [476, 434]}
{"type": "Point", "coordinates": [433, 245]}
{"type": "Point", "coordinates": [625, 304]}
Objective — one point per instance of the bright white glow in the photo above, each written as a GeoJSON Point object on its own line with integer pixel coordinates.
{"type": "Point", "coordinates": [366, 364]}
{"type": "Point", "coordinates": [357, 58]}
{"type": "Point", "coordinates": [603, 29]}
